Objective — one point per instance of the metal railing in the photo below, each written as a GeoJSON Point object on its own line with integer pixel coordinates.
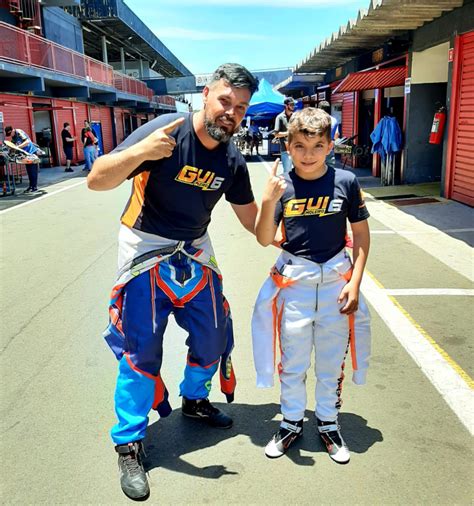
{"type": "Point", "coordinates": [131, 85]}
{"type": "Point", "coordinates": [24, 48]}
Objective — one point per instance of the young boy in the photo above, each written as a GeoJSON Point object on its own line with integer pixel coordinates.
{"type": "Point", "coordinates": [311, 298]}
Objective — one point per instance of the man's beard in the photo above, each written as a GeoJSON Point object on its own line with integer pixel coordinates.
{"type": "Point", "coordinates": [216, 132]}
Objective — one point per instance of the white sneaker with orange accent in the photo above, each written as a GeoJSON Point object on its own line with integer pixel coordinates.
{"type": "Point", "coordinates": [330, 433]}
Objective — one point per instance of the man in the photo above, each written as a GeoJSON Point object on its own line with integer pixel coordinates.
{"type": "Point", "coordinates": [181, 165]}
{"type": "Point", "coordinates": [256, 137]}
{"type": "Point", "coordinates": [21, 139]}
{"type": "Point", "coordinates": [68, 142]}
{"type": "Point", "coordinates": [326, 107]}
{"type": "Point", "coordinates": [281, 129]}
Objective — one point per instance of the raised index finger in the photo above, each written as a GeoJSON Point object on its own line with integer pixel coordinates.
{"type": "Point", "coordinates": [171, 126]}
{"type": "Point", "coordinates": [273, 172]}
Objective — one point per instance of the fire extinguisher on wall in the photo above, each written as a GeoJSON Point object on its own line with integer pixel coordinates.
{"type": "Point", "coordinates": [437, 128]}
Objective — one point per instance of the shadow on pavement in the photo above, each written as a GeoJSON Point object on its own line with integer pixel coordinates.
{"type": "Point", "coordinates": [171, 438]}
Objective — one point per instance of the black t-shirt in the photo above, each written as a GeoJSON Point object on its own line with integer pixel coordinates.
{"type": "Point", "coordinates": [314, 213]}
{"type": "Point", "coordinates": [174, 197]}
{"type": "Point", "coordinates": [65, 135]}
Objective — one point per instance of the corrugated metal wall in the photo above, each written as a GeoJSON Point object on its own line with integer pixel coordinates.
{"type": "Point", "coordinates": [348, 120]}
{"type": "Point", "coordinates": [462, 183]}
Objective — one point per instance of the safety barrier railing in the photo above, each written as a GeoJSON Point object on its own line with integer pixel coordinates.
{"type": "Point", "coordinates": [131, 85]}
{"type": "Point", "coordinates": [24, 48]}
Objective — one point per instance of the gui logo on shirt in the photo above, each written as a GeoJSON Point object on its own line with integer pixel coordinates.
{"type": "Point", "coordinates": [312, 206]}
{"type": "Point", "coordinates": [204, 179]}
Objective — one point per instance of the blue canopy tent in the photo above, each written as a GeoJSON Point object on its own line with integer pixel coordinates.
{"type": "Point", "coordinates": [266, 103]}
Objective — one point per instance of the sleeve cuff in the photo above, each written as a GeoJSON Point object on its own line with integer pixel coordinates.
{"type": "Point", "coordinates": [264, 380]}
{"type": "Point", "coordinates": [359, 377]}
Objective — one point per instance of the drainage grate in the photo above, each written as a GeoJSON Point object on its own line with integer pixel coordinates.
{"type": "Point", "coordinates": [391, 197]}
{"type": "Point", "coordinates": [414, 202]}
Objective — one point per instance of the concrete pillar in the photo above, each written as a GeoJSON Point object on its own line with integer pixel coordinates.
{"type": "Point", "coordinates": [122, 60]}
{"type": "Point", "coordinates": [105, 59]}
{"type": "Point", "coordinates": [141, 68]}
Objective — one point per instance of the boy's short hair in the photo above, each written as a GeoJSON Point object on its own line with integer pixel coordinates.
{"type": "Point", "coordinates": [311, 122]}
{"type": "Point", "coordinates": [8, 130]}
{"type": "Point", "coordinates": [236, 75]}
{"type": "Point", "coordinates": [66, 124]}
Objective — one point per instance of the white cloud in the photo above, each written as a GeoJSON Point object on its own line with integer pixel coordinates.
{"type": "Point", "coordinates": [173, 32]}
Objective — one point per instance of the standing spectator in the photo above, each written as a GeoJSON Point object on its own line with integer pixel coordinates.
{"type": "Point", "coordinates": [89, 142]}
{"type": "Point", "coordinates": [281, 128]}
{"type": "Point", "coordinates": [68, 141]}
{"type": "Point", "coordinates": [22, 141]}
{"type": "Point", "coordinates": [326, 107]}
{"type": "Point", "coordinates": [256, 136]}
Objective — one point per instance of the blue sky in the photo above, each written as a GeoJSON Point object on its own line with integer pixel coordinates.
{"type": "Point", "coordinates": [260, 34]}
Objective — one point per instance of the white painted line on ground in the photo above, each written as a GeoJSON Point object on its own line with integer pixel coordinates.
{"type": "Point", "coordinates": [33, 201]}
{"type": "Point", "coordinates": [267, 166]}
{"type": "Point", "coordinates": [413, 232]}
{"type": "Point", "coordinates": [435, 363]}
{"type": "Point", "coordinates": [430, 291]}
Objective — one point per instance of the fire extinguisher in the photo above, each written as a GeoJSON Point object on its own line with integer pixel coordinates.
{"type": "Point", "coordinates": [437, 129]}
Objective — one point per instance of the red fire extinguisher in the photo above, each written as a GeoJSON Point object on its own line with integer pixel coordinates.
{"type": "Point", "coordinates": [437, 129]}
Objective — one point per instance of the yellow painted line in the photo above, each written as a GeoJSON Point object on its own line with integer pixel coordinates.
{"type": "Point", "coordinates": [459, 370]}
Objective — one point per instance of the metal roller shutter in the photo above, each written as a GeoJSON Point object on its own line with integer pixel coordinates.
{"type": "Point", "coordinates": [16, 113]}
{"type": "Point", "coordinates": [462, 183]}
{"type": "Point", "coordinates": [348, 119]}
{"type": "Point", "coordinates": [107, 133]}
{"type": "Point", "coordinates": [119, 130]}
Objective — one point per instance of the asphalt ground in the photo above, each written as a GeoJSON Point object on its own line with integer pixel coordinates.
{"type": "Point", "coordinates": [410, 442]}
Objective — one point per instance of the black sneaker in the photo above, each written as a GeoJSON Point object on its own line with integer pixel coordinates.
{"type": "Point", "coordinates": [330, 433]}
{"type": "Point", "coordinates": [202, 408]}
{"type": "Point", "coordinates": [133, 478]}
{"type": "Point", "coordinates": [28, 190]}
{"type": "Point", "coordinates": [282, 440]}
{"type": "Point", "coordinates": [68, 170]}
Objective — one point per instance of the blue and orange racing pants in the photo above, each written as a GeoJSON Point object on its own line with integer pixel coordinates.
{"type": "Point", "coordinates": [139, 313]}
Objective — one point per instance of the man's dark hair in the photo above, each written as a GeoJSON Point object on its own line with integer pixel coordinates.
{"type": "Point", "coordinates": [8, 130]}
{"type": "Point", "coordinates": [288, 101]}
{"type": "Point", "coordinates": [236, 75]}
{"type": "Point", "coordinates": [66, 124]}
{"type": "Point", "coordinates": [325, 106]}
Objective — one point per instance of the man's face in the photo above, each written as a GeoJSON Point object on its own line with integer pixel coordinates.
{"type": "Point", "coordinates": [289, 108]}
{"type": "Point", "coordinates": [224, 109]}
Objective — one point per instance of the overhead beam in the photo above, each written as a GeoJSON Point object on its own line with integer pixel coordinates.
{"type": "Point", "coordinates": [23, 84]}
{"type": "Point", "coordinates": [71, 91]}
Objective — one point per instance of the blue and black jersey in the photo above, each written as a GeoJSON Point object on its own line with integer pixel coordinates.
{"type": "Point", "coordinates": [314, 213]}
{"type": "Point", "coordinates": [174, 197]}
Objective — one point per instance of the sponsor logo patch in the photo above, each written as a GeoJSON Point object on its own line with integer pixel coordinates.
{"type": "Point", "coordinates": [320, 206]}
{"type": "Point", "coordinates": [204, 179]}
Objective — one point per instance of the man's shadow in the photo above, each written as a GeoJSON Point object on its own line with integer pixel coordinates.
{"type": "Point", "coordinates": [169, 439]}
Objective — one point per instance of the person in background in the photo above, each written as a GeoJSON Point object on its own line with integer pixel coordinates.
{"type": "Point", "coordinates": [22, 141]}
{"type": "Point", "coordinates": [68, 142]}
{"type": "Point", "coordinates": [89, 142]}
{"type": "Point", "coordinates": [326, 107]}
{"type": "Point", "coordinates": [281, 132]}
{"type": "Point", "coordinates": [256, 136]}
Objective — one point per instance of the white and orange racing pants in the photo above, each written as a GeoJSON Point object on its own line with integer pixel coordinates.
{"type": "Point", "coordinates": [297, 309]}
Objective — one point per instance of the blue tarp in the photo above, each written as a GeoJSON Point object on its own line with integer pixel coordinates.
{"type": "Point", "coordinates": [266, 103]}
{"type": "Point", "coordinates": [387, 137]}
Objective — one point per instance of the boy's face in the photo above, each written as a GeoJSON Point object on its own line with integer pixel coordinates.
{"type": "Point", "coordinates": [309, 154]}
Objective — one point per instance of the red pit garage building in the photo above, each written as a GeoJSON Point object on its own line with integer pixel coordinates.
{"type": "Point", "coordinates": [409, 60]}
{"type": "Point", "coordinates": [70, 60]}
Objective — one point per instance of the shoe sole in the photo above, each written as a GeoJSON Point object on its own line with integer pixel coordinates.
{"type": "Point", "coordinates": [197, 417]}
